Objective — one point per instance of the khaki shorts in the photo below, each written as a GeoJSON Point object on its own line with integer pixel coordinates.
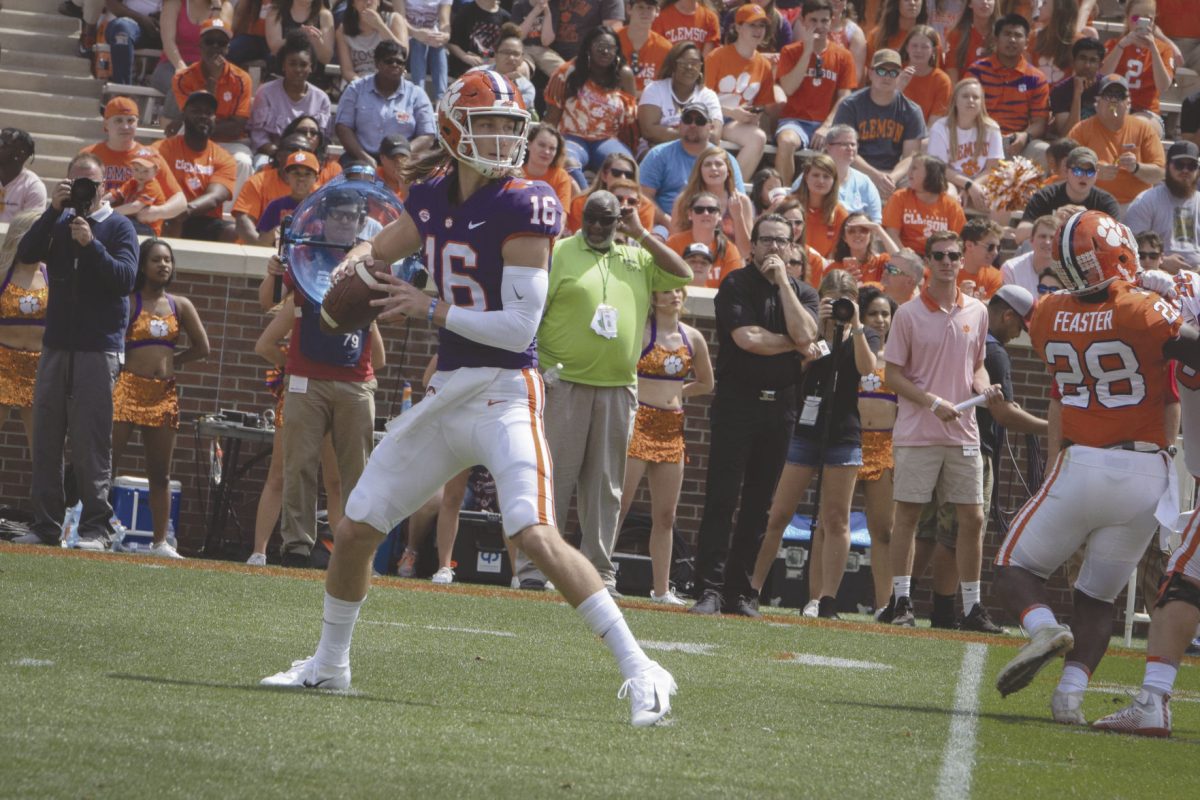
{"type": "Point", "coordinates": [940, 520]}
{"type": "Point", "coordinates": [920, 471]}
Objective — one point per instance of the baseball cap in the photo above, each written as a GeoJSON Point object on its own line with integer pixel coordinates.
{"type": "Point", "coordinates": [1109, 81]}
{"type": "Point", "coordinates": [394, 146]}
{"type": "Point", "coordinates": [302, 158]}
{"type": "Point", "coordinates": [121, 107]}
{"type": "Point", "coordinates": [1183, 149]}
{"type": "Point", "coordinates": [698, 249]}
{"type": "Point", "coordinates": [1082, 155]}
{"type": "Point", "coordinates": [144, 160]}
{"type": "Point", "coordinates": [1018, 299]}
{"type": "Point", "coordinates": [215, 24]}
{"type": "Point", "coordinates": [886, 56]}
{"type": "Point", "coordinates": [750, 12]}
{"type": "Point", "coordinates": [695, 108]}
{"type": "Point", "coordinates": [201, 96]}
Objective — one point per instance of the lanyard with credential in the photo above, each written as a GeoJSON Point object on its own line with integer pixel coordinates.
{"type": "Point", "coordinates": [604, 321]}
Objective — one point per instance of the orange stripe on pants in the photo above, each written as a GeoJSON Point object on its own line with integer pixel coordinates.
{"type": "Point", "coordinates": [533, 385]}
{"type": "Point", "coordinates": [1027, 511]}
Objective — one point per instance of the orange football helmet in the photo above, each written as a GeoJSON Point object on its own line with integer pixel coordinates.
{"type": "Point", "coordinates": [1091, 250]}
{"type": "Point", "coordinates": [483, 92]}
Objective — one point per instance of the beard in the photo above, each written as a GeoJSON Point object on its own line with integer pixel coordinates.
{"type": "Point", "coordinates": [1180, 187]}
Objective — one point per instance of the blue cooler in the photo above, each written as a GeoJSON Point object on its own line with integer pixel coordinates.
{"type": "Point", "coordinates": [131, 507]}
{"type": "Point", "coordinates": [787, 582]}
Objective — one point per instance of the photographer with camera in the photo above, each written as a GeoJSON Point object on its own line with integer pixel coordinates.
{"type": "Point", "coordinates": [91, 257]}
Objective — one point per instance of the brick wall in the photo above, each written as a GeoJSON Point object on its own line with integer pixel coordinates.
{"type": "Point", "coordinates": [232, 377]}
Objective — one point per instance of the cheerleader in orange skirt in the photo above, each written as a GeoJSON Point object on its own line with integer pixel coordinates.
{"type": "Point", "coordinates": [22, 321]}
{"type": "Point", "coordinates": [145, 395]}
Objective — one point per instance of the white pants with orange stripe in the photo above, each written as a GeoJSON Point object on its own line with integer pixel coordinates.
{"type": "Point", "coordinates": [469, 416]}
{"type": "Point", "coordinates": [1104, 499]}
{"type": "Point", "coordinates": [1185, 559]}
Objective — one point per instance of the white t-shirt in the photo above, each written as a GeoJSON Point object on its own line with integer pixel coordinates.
{"type": "Point", "coordinates": [26, 192]}
{"type": "Point", "coordinates": [423, 13]}
{"type": "Point", "coordinates": [1020, 271]}
{"type": "Point", "coordinates": [658, 93]}
{"type": "Point", "coordinates": [1176, 220]}
{"type": "Point", "coordinates": [962, 160]}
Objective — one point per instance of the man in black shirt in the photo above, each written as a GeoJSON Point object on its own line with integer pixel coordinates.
{"type": "Point", "coordinates": [1073, 99]}
{"type": "Point", "coordinates": [765, 319]}
{"type": "Point", "coordinates": [1077, 193]}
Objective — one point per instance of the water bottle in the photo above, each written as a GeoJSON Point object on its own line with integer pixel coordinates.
{"type": "Point", "coordinates": [406, 397]}
{"type": "Point", "coordinates": [552, 375]}
{"type": "Point", "coordinates": [171, 533]}
{"type": "Point", "coordinates": [70, 534]}
{"type": "Point", "coordinates": [103, 57]}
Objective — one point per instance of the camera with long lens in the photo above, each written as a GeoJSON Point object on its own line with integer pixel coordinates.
{"type": "Point", "coordinates": [83, 194]}
{"type": "Point", "coordinates": [842, 311]}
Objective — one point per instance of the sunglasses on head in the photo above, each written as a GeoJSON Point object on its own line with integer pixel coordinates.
{"type": "Point", "coordinates": [1083, 172]}
{"type": "Point", "coordinates": [945, 255]}
{"type": "Point", "coordinates": [892, 269]}
{"type": "Point", "coordinates": [887, 72]}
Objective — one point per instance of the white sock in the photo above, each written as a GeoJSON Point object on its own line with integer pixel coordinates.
{"type": "Point", "coordinates": [606, 621]}
{"type": "Point", "coordinates": [1074, 677]}
{"type": "Point", "coordinates": [1035, 618]}
{"type": "Point", "coordinates": [902, 586]}
{"type": "Point", "coordinates": [1160, 676]}
{"type": "Point", "coordinates": [970, 595]}
{"type": "Point", "coordinates": [337, 626]}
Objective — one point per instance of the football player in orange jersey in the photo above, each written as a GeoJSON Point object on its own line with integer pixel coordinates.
{"type": "Point", "coordinates": [1106, 343]}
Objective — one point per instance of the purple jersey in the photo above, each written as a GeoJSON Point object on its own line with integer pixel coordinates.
{"type": "Point", "coordinates": [461, 248]}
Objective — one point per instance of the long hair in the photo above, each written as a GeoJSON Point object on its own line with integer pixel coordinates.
{"type": "Point", "coordinates": [983, 123]}
{"type": "Point", "coordinates": [147, 245]}
{"type": "Point", "coordinates": [322, 142]}
{"type": "Point", "coordinates": [889, 24]}
{"type": "Point", "coordinates": [667, 69]}
{"type": "Point", "coordinates": [935, 174]}
{"type": "Point", "coordinates": [930, 33]}
{"type": "Point", "coordinates": [758, 182]}
{"type": "Point", "coordinates": [695, 182]}
{"type": "Point", "coordinates": [965, 23]}
{"type": "Point", "coordinates": [842, 248]}
{"type": "Point", "coordinates": [828, 203]}
{"type": "Point", "coordinates": [839, 282]}
{"type": "Point", "coordinates": [685, 223]}
{"type": "Point", "coordinates": [1054, 41]}
{"type": "Point", "coordinates": [598, 182]}
{"type": "Point", "coordinates": [17, 228]}
{"type": "Point", "coordinates": [581, 72]}
{"type": "Point", "coordinates": [537, 127]}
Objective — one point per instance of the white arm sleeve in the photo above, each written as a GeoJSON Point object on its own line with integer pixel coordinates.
{"type": "Point", "coordinates": [523, 292]}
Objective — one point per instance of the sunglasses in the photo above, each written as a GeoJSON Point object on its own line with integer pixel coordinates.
{"type": "Point", "coordinates": [892, 269]}
{"type": "Point", "coordinates": [1080, 172]}
{"type": "Point", "coordinates": [887, 72]}
{"type": "Point", "coordinates": [344, 215]}
{"type": "Point", "coordinates": [795, 262]}
{"type": "Point", "coordinates": [1149, 255]}
{"type": "Point", "coordinates": [1185, 165]}
{"type": "Point", "coordinates": [1044, 289]}
{"type": "Point", "coordinates": [693, 119]}
{"type": "Point", "coordinates": [608, 219]}
{"type": "Point", "coordinates": [394, 62]}
{"type": "Point", "coordinates": [706, 209]}
{"type": "Point", "coordinates": [946, 255]}
{"type": "Point", "coordinates": [620, 173]}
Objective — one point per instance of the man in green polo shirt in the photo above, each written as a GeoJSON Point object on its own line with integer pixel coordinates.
{"type": "Point", "coordinates": [596, 311]}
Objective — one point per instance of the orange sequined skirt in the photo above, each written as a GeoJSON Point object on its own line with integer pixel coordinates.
{"type": "Point", "coordinates": [147, 402]}
{"type": "Point", "coordinates": [657, 435]}
{"type": "Point", "coordinates": [18, 369]}
{"type": "Point", "coordinates": [877, 455]}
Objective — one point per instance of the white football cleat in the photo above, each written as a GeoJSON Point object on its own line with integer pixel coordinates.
{"type": "Point", "coordinates": [649, 695]}
{"type": "Point", "coordinates": [668, 599]}
{"type": "Point", "coordinates": [443, 577]}
{"type": "Point", "coordinates": [811, 609]}
{"type": "Point", "coordinates": [305, 675]}
{"type": "Point", "coordinates": [1067, 708]}
{"type": "Point", "coordinates": [1147, 715]}
{"type": "Point", "coordinates": [1043, 647]}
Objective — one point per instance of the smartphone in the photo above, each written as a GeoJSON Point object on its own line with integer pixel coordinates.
{"type": "Point", "coordinates": [1129, 147]}
{"type": "Point", "coordinates": [1143, 25]}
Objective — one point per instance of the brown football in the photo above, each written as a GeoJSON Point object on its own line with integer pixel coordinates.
{"type": "Point", "coordinates": [347, 305]}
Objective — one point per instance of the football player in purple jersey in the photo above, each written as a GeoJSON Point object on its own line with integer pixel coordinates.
{"type": "Point", "coordinates": [486, 239]}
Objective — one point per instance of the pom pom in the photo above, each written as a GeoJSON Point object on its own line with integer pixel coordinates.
{"type": "Point", "coordinates": [1010, 185]}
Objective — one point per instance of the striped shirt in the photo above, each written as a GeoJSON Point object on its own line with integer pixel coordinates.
{"type": "Point", "coordinates": [1014, 97]}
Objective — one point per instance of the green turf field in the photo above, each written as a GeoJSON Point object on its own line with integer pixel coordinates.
{"type": "Point", "coordinates": [131, 678]}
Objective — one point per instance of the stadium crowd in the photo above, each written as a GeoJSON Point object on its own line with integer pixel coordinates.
{"type": "Point", "coordinates": [911, 159]}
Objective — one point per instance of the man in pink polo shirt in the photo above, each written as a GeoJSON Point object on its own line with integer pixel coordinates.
{"type": "Point", "coordinates": [934, 355]}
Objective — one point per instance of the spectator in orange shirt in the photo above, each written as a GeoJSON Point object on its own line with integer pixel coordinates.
{"type": "Point", "coordinates": [818, 196]}
{"type": "Point", "coordinates": [689, 21]}
{"type": "Point", "coordinates": [898, 18]}
{"type": "Point", "coordinates": [912, 215]}
{"type": "Point", "coordinates": [971, 38]}
{"type": "Point", "coordinates": [394, 152]}
{"type": "Point", "coordinates": [700, 226]}
{"type": "Point", "coordinates": [815, 74]}
{"type": "Point", "coordinates": [743, 79]}
{"type": "Point", "coordinates": [1129, 148]}
{"type": "Point", "coordinates": [858, 246]}
{"type": "Point", "coordinates": [644, 50]}
{"type": "Point", "coordinates": [206, 173]}
{"type": "Point", "coordinates": [981, 244]}
{"type": "Point", "coordinates": [713, 173]}
{"type": "Point", "coordinates": [617, 166]}
{"type": "Point", "coordinates": [1147, 62]}
{"type": "Point", "coordinates": [544, 161]}
{"type": "Point", "coordinates": [1017, 96]}
{"type": "Point", "coordinates": [804, 264]}
{"type": "Point", "coordinates": [700, 258]}
{"type": "Point", "coordinates": [923, 81]}
{"type": "Point", "coordinates": [140, 192]}
{"type": "Point", "coordinates": [269, 184]}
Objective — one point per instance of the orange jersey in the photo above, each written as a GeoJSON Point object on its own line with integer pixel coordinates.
{"type": "Point", "coordinates": [1013, 97]}
{"type": "Point", "coordinates": [644, 62]}
{"type": "Point", "coordinates": [558, 180]}
{"type": "Point", "coordinates": [1107, 363]}
{"type": "Point", "coordinates": [987, 280]}
{"type": "Point", "coordinates": [867, 272]}
{"type": "Point", "coordinates": [932, 93]}
{"type": "Point", "coordinates": [750, 80]}
{"type": "Point", "coordinates": [820, 235]}
{"type": "Point", "coordinates": [234, 89]}
{"type": "Point", "coordinates": [976, 49]}
{"type": "Point", "coordinates": [701, 26]}
{"type": "Point", "coordinates": [1137, 65]}
{"type": "Point", "coordinates": [149, 196]}
{"type": "Point", "coordinates": [195, 171]}
{"type": "Point", "coordinates": [265, 186]}
{"type": "Point", "coordinates": [816, 268]}
{"type": "Point", "coordinates": [1178, 19]}
{"type": "Point", "coordinates": [117, 169]}
{"type": "Point", "coordinates": [814, 98]}
{"type": "Point", "coordinates": [722, 266]}
{"type": "Point", "coordinates": [1136, 135]}
{"type": "Point", "coordinates": [916, 220]}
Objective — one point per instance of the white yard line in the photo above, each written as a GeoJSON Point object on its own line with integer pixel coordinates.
{"type": "Point", "coordinates": [443, 628]}
{"type": "Point", "coordinates": [958, 762]}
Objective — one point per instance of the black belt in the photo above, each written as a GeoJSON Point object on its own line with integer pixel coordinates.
{"type": "Point", "coordinates": [764, 395]}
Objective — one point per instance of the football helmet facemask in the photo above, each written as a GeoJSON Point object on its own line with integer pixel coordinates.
{"type": "Point", "coordinates": [482, 92]}
{"type": "Point", "coordinates": [1091, 250]}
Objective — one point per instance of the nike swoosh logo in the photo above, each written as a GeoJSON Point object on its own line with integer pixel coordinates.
{"type": "Point", "coordinates": [518, 294]}
{"type": "Point", "coordinates": [494, 402]}
{"type": "Point", "coordinates": [317, 685]}
{"type": "Point", "coordinates": [473, 225]}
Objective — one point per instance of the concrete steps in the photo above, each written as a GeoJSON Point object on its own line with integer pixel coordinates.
{"type": "Point", "coordinates": [47, 103]}
{"type": "Point", "coordinates": [41, 20]}
{"type": "Point", "coordinates": [85, 129]}
{"type": "Point", "coordinates": [46, 63]}
{"type": "Point", "coordinates": [79, 87]}
{"type": "Point", "coordinates": [35, 41]}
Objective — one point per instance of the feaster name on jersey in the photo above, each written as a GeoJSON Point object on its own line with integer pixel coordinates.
{"type": "Point", "coordinates": [1083, 321]}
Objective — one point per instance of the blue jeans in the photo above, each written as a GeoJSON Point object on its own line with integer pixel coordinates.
{"type": "Point", "coordinates": [591, 154]}
{"type": "Point", "coordinates": [123, 35]}
{"type": "Point", "coordinates": [425, 60]}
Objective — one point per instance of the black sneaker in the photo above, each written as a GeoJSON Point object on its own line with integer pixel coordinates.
{"type": "Point", "coordinates": [69, 9]}
{"type": "Point", "coordinates": [745, 607]}
{"type": "Point", "coordinates": [979, 621]}
{"type": "Point", "coordinates": [827, 608]}
{"type": "Point", "coordinates": [887, 613]}
{"type": "Point", "coordinates": [533, 585]}
{"type": "Point", "coordinates": [295, 560]}
{"type": "Point", "coordinates": [903, 615]}
{"type": "Point", "coordinates": [710, 603]}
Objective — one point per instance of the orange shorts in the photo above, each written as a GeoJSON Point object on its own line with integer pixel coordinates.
{"type": "Point", "coordinates": [657, 435]}
{"type": "Point", "coordinates": [877, 455]}
{"type": "Point", "coordinates": [19, 368]}
{"type": "Point", "coordinates": [146, 402]}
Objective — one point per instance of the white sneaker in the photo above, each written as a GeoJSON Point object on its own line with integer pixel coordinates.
{"type": "Point", "coordinates": [1067, 708]}
{"type": "Point", "coordinates": [305, 675]}
{"type": "Point", "coordinates": [515, 583]}
{"type": "Point", "coordinates": [28, 538]}
{"type": "Point", "coordinates": [811, 608]}
{"type": "Point", "coordinates": [549, 586]}
{"type": "Point", "coordinates": [668, 599]}
{"type": "Point", "coordinates": [444, 576]}
{"type": "Point", "coordinates": [649, 695]}
{"type": "Point", "coordinates": [257, 560]}
{"type": "Point", "coordinates": [1043, 647]}
{"type": "Point", "coordinates": [95, 545]}
{"type": "Point", "coordinates": [1147, 715]}
{"type": "Point", "coordinates": [164, 550]}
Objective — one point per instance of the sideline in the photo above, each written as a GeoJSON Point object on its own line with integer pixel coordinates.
{"type": "Point", "coordinates": [958, 762]}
